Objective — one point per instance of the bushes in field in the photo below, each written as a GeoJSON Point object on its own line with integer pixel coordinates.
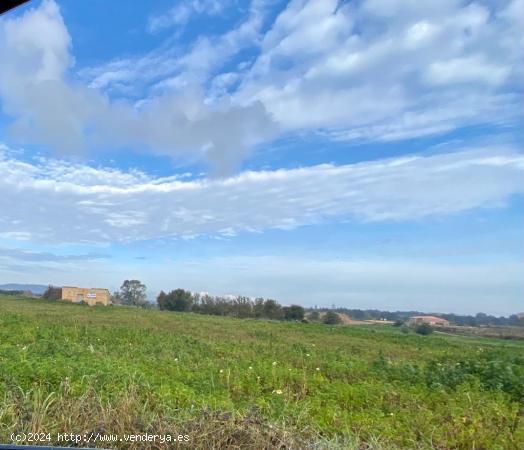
{"type": "Point", "coordinates": [489, 371]}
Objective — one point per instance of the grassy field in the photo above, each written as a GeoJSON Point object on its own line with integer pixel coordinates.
{"type": "Point", "coordinates": [232, 383]}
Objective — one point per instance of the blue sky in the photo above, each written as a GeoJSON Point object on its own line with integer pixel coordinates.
{"type": "Point", "coordinates": [366, 154]}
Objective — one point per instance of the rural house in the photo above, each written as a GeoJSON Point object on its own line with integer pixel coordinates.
{"type": "Point", "coordinates": [431, 320]}
{"type": "Point", "coordinates": [91, 296]}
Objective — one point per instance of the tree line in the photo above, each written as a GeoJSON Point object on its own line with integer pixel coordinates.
{"type": "Point", "coordinates": [239, 306]}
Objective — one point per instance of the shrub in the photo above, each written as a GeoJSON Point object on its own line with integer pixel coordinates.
{"type": "Point", "coordinates": [424, 329]}
{"type": "Point", "coordinates": [293, 312]}
{"type": "Point", "coordinates": [331, 318]}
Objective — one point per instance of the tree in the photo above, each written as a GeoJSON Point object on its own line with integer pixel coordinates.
{"type": "Point", "coordinates": [133, 293]}
{"type": "Point", "coordinates": [293, 312]}
{"type": "Point", "coordinates": [177, 300]}
{"type": "Point", "coordinates": [242, 307]}
{"type": "Point", "coordinates": [424, 329]}
{"type": "Point", "coordinates": [116, 298]}
{"type": "Point", "coordinates": [331, 318]}
{"type": "Point", "coordinates": [272, 310]}
{"type": "Point", "coordinates": [258, 307]}
{"type": "Point", "coordinates": [52, 293]}
{"type": "Point", "coordinates": [161, 300]}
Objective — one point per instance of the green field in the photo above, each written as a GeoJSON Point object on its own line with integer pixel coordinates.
{"type": "Point", "coordinates": [240, 383]}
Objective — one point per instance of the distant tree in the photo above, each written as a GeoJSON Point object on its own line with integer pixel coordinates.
{"type": "Point", "coordinates": [424, 329]}
{"type": "Point", "coordinates": [258, 307]}
{"type": "Point", "coordinates": [177, 300]}
{"type": "Point", "coordinates": [52, 293]}
{"type": "Point", "coordinates": [331, 318]}
{"type": "Point", "coordinates": [161, 300]}
{"type": "Point", "coordinates": [293, 312]}
{"type": "Point", "coordinates": [515, 320]}
{"type": "Point", "coordinates": [116, 298]}
{"type": "Point", "coordinates": [314, 316]}
{"type": "Point", "coordinates": [398, 323]}
{"type": "Point", "coordinates": [242, 307]}
{"type": "Point", "coordinates": [133, 293]}
{"type": "Point", "coordinates": [272, 310]}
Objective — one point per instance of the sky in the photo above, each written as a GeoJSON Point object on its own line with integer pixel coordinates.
{"type": "Point", "coordinates": [357, 153]}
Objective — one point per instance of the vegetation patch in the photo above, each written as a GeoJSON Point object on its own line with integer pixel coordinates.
{"type": "Point", "coordinates": [251, 383]}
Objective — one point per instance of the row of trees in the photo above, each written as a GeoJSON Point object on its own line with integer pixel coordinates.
{"type": "Point", "coordinates": [182, 300]}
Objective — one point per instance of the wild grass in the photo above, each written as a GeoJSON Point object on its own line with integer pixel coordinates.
{"type": "Point", "coordinates": [241, 383]}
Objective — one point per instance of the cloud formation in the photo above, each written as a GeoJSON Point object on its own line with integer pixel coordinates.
{"type": "Point", "coordinates": [372, 70]}
{"type": "Point", "coordinates": [180, 14]}
{"type": "Point", "coordinates": [54, 201]}
{"type": "Point", "coordinates": [32, 256]}
{"type": "Point", "coordinates": [36, 53]}
{"type": "Point", "coordinates": [390, 69]}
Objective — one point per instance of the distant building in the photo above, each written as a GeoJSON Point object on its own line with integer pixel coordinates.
{"type": "Point", "coordinates": [431, 320]}
{"type": "Point", "coordinates": [91, 296]}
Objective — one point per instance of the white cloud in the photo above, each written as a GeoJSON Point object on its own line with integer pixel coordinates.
{"type": "Point", "coordinates": [82, 119]}
{"type": "Point", "coordinates": [466, 70]}
{"type": "Point", "coordinates": [53, 202]}
{"type": "Point", "coordinates": [361, 66]}
{"type": "Point", "coordinates": [45, 257]}
{"type": "Point", "coordinates": [180, 14]}
{"type": "Point", "coordinates": [175, 67]}
{"type": "Point", "coordinates": [375, 70]}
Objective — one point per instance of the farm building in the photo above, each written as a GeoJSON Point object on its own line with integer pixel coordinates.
{"type": "Point", "coordinates": [431, 320]}
{"type": "Point", "coordinates": [91, 296]}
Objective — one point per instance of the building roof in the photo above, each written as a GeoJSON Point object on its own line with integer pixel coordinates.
{"type": "Point", "coordinates": [427, 317]}
{"type": "Point", "coordinates": [92, 288]}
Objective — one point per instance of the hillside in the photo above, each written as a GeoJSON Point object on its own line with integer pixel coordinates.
{"type": "Point", "coordinates": [232, 383]}
{"type": "Point", "coordinates": [38, 289]}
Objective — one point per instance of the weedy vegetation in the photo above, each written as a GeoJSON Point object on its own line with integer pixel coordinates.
{"type": "Point", "coordinates": [253, 384]}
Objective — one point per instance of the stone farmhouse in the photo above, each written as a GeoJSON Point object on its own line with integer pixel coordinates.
{"type": "Point", "coordinates": [431, 320]}
{"type": "Point", "coordinates": [91, 296]}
